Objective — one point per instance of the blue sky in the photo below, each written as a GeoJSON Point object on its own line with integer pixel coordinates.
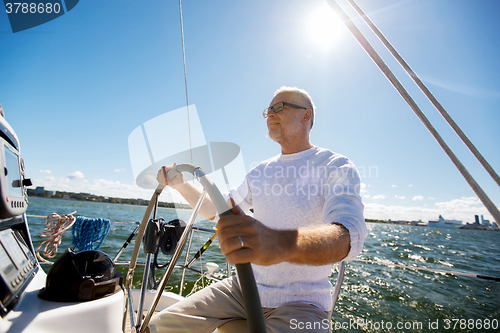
{"type": "Point", "coordinates": [76, 87]}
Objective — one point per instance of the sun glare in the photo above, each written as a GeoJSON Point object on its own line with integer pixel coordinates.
{"type": "Point", "coordinates": [324, 28]}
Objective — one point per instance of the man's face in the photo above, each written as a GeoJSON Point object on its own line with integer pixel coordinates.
{"type": "Point", "coordinates": [286, 124]}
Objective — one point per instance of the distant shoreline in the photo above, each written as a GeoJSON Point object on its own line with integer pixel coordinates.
{"type": "Point", "coordinates": [97, 198]}
{"type": "Point", "coordinates": [141, 202]}
{"type": "Point", "coordinates": [401, 222]}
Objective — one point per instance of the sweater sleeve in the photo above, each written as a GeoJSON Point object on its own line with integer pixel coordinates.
{"type": "Point", "coordinates": [343, 204]}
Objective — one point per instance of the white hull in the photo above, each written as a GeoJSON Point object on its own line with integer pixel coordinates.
{"type": "Point", "coordinates": [444, 225]}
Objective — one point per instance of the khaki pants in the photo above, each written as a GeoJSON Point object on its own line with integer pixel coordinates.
{"type": "Point", "coordinates": [222, 302]}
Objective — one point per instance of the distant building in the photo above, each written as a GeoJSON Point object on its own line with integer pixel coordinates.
{"type": "Point", "coordinates": [39, 190]}
{"type": "Point", "coordinates": [484, 222]}
{"type": "Point", "coordinates": [419, 223]}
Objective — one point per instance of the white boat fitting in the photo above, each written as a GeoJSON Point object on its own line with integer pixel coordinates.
{"type": "Point", "coordinates": [443, 223]}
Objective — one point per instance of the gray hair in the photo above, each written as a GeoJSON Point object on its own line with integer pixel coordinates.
{"type": "Point", "coordinates": [300, 94]}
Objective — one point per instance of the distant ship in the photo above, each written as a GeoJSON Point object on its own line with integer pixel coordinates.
{"type": "Point", "coordinates": [442, 223]}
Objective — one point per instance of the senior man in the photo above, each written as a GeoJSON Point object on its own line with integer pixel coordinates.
{"type": "Point", "coordinates": [307, 214]}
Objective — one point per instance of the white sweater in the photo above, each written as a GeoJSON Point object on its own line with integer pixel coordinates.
{"type": "Point", "coordinates": [312, 187]}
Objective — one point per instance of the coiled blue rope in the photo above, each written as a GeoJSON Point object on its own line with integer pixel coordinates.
{"type": "Point", "coordinates": [87, 231]}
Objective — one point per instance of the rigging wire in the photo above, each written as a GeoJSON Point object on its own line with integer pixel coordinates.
{"type": "Point", "coordinates": [185, 80]}
{"type": "Point", "coordinates": [426, 92]}
{"type": "Point", "coordinates": [493, 210]}
{"type": "Point", "coordinates": [187, 106]}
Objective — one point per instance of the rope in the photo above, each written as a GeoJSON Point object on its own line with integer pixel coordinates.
{"type": "Point", "coordinates": [490, 206]}
{"type": "Point", "coordinates": [120, 222]}
{"type": "Point", "coordinates": [56, 226]}
{"type": "Point", "coordinates": [88, 231]}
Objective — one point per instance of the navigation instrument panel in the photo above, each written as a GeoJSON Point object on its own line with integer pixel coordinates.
{"type": "Point", "coordinates": [17, 268]}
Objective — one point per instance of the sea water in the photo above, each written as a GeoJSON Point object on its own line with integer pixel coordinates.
{"type": "Point", "coordinates": [374, 298]}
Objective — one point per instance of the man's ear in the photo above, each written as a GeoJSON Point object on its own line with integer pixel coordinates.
{"type": "Point", "coordinates": [307, 116]}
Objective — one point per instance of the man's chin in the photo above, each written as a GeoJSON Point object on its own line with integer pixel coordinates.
{"type": "Point", "coordinates": [276, 136]}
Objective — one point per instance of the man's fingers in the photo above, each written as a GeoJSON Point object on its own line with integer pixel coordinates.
{"type": "Point", "coordinates": [162, 174]}
{"type": "Point", "coordinates": [236, 210]}
{"type": "Point", "coordinates": [165, 174]}
{"type": "Point", "coordinates": [233, 231]}
{"type": "Point", "coordinates": [233, 244]}
{"type": "Point", "coordinates": [160, 177]}
{"type": "Point", "coordinates": [242, 256]}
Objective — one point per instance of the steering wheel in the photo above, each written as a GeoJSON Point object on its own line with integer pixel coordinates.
{"type": "Point", "coordinates": [251, 299]}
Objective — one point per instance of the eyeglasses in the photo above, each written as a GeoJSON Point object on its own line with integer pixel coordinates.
{"type": "Point", "coordinates": [278, 107]}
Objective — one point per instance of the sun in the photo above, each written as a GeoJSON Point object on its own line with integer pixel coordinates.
{"type": "Point", "coordinates": [324, 28]}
